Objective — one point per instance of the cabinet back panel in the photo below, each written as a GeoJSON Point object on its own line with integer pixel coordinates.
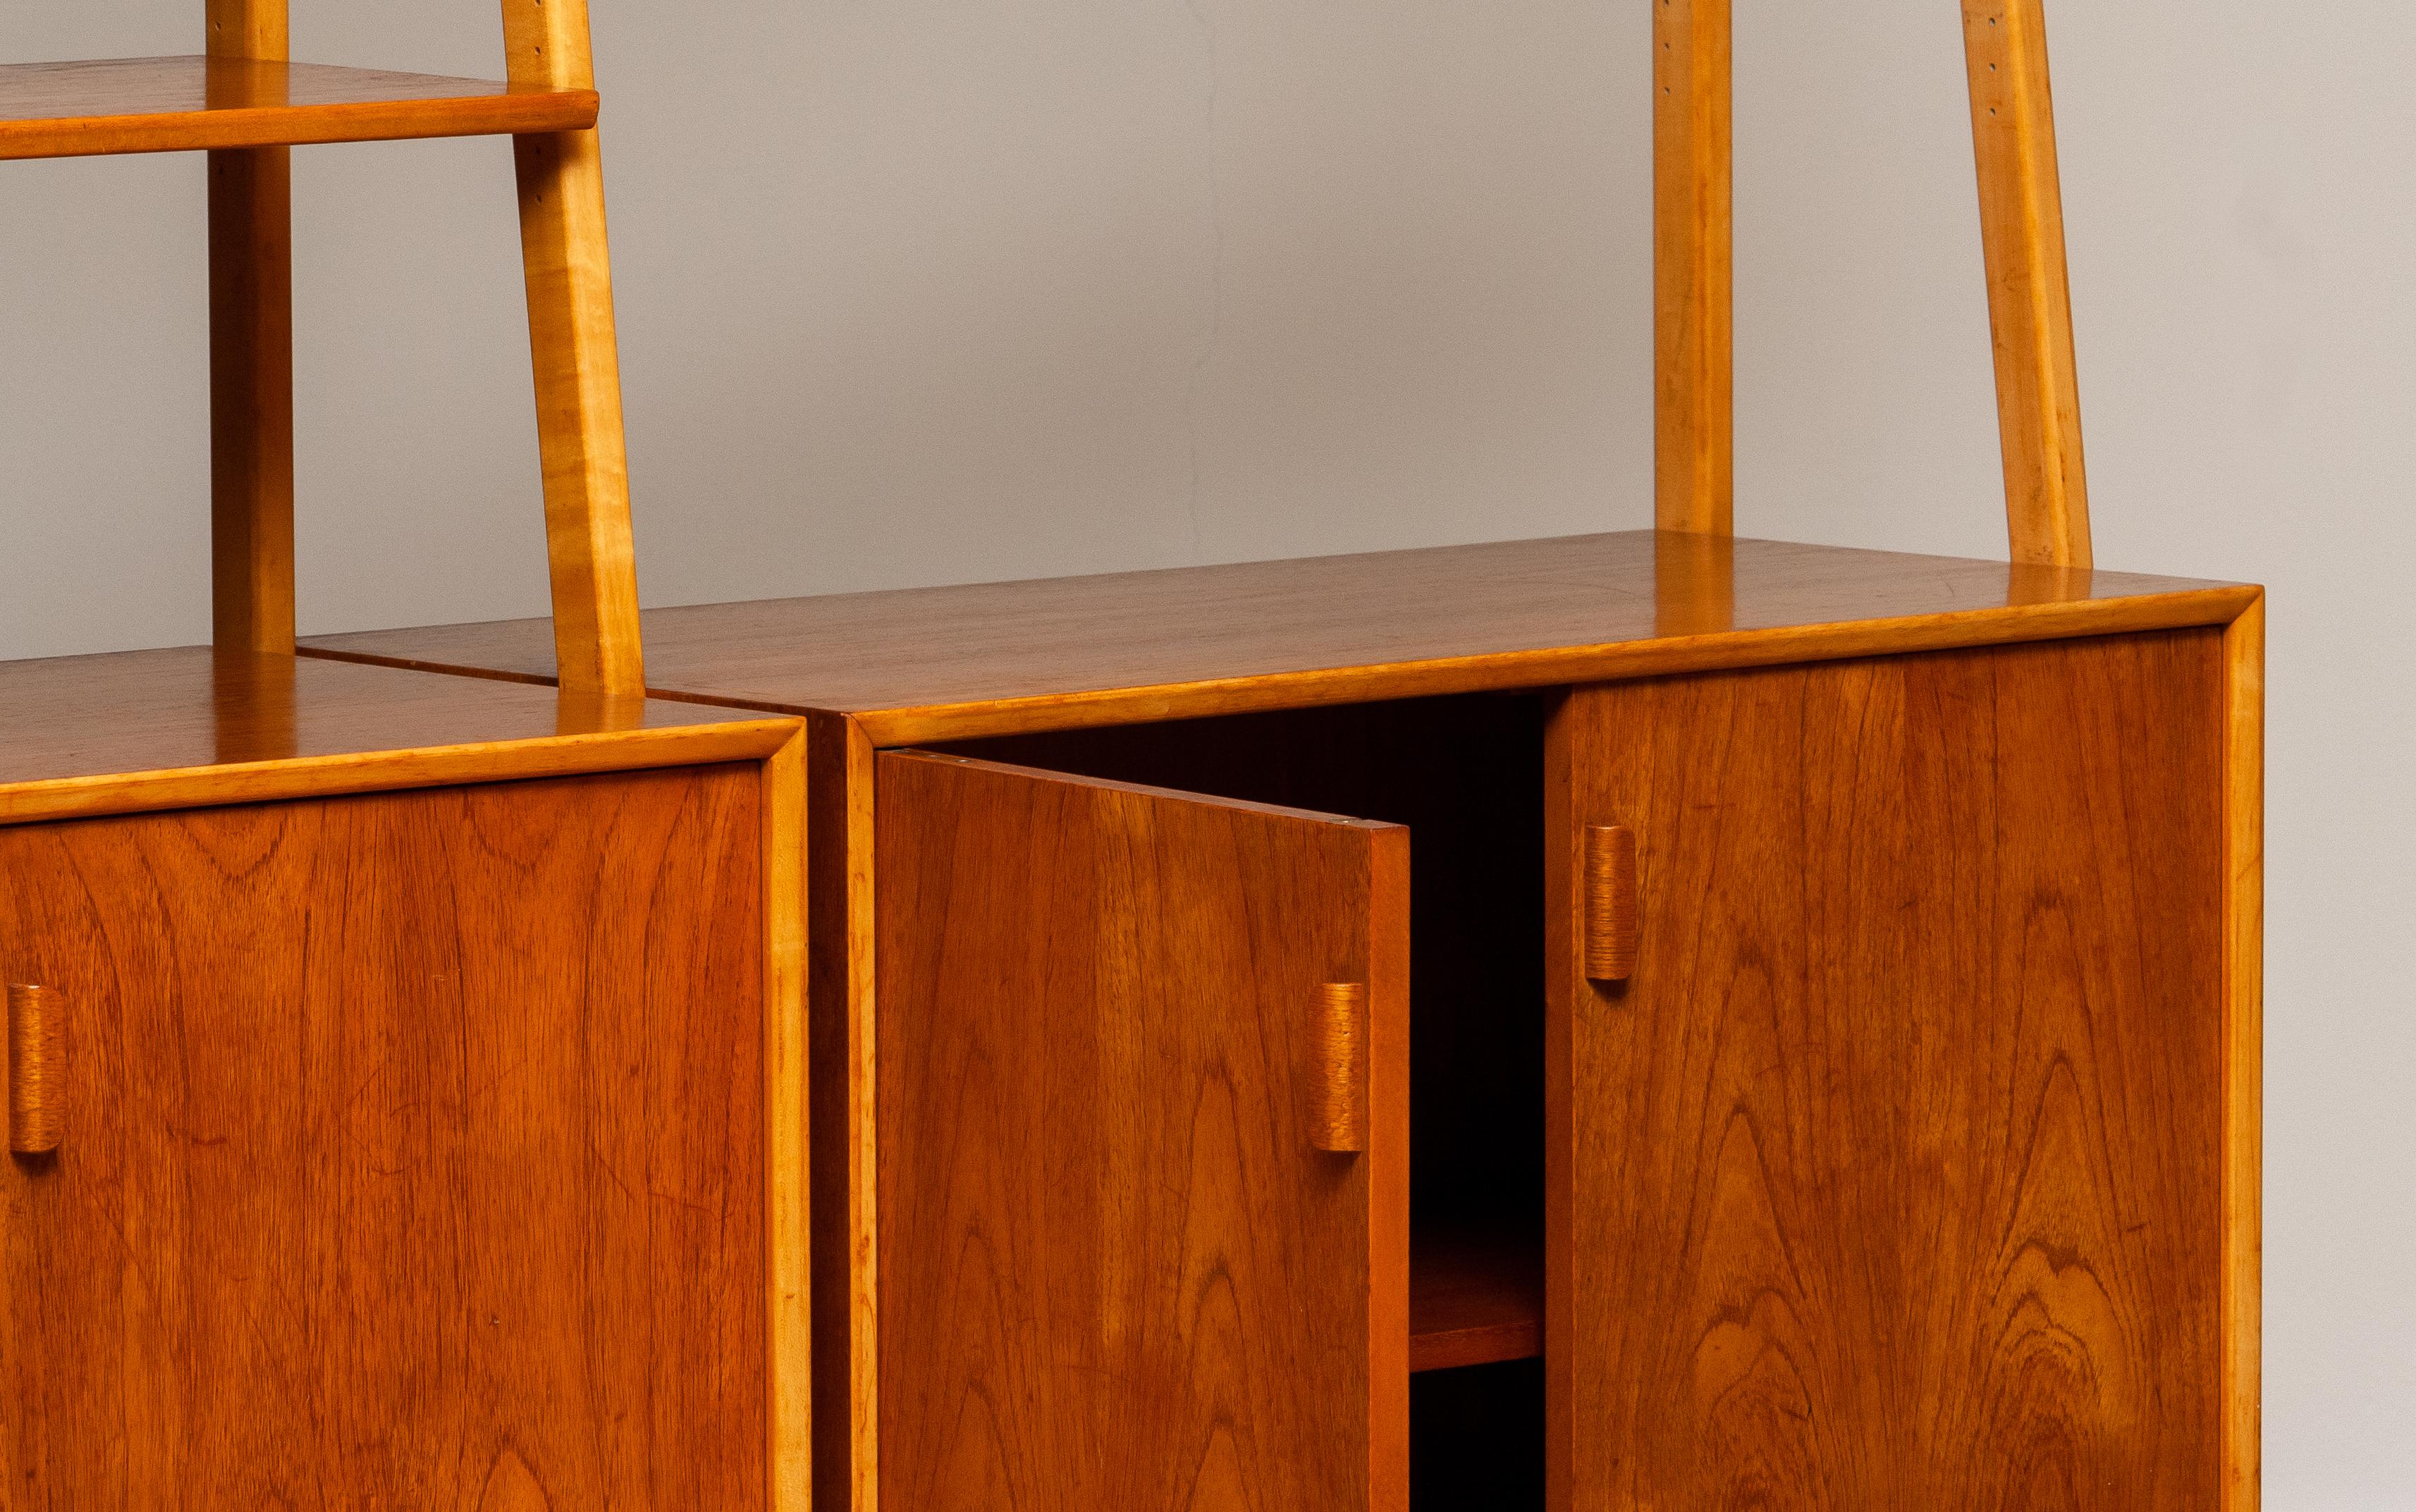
{"type": "Point", "coordinates": [1892, 1179]}
{"type": "Point", "coordinates": [413, 1153]}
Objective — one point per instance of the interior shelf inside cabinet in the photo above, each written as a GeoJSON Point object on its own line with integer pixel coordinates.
{"type": "Point", "coordinates": [1476, 1298]}
{"type": "Point", "coordinates": [119, 105]}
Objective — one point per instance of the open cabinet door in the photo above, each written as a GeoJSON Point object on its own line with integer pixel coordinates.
{"type": "Point", "coordinates": [1143, 1148]}
{"type": "Point", "coordinates": [1886, 1117]}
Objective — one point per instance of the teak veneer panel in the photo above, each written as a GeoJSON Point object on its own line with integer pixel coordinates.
{"type": "Point", "coordinates": [414, 1154]}
{"type": "Point", "coordinates": [1896, 1179]}
{"type": "Point", "coordinates": [157, 728]}
{"type": "Point", "coordinates": [1114, 1272]}
{"type": "Point", "coordinates": [118, 105]}
{"type": "Point", "coordinates": [927, 664]}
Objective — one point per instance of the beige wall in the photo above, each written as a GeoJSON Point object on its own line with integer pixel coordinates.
{"type": "Point", "coordinates": [916, 292]}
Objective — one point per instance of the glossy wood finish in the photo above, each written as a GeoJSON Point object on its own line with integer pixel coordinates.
{"type": "Point", "coordinates": [925, 664]}
{"type": "Point", "coordinates": [1113, 1272]}
{"type": "Point", "coordinates": [252, 361]}
{"type": "Point", "coordinates": [1338, 1121]}
{"type": "Point", "coordinates": [788, 1133]}
{"type": "Point", "coordinates": [2244, 1048]}
{"type": "Point", "coordinates": [1896, 1179]}
{"type": "Point", "coordinates": [574, 353]}
{"type": "Point", "coordinates": [143, 730]}
{"type": "Point", "coordinates": [2030, 296]}
{"type": "Point", "coordinates": [37, 1072]}
{"type": "Point", "coordinates": [1693, 280]}
{"type": "Point", "coordinates": [1612, 925]}
{"type": "Point", "coordinates": [439, 1182]}
{"type": "Point", "coordinates": [1476, 1298]}
{"type": "Point", "coordinates": [246, 29]}
{"type": "Point", "coordinates": [176, 104]}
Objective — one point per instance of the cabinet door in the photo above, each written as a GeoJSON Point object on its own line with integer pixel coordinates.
{"type": "Point", "coordinates": [1891, 1179]}
{"type": "Point", "coordinates": [412, 1153]}
{"type": "Point", "coordinates": [1115, 1267]}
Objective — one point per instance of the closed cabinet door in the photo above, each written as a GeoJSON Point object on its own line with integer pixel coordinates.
{"type": "Point", "coordinates": [405, 1152]}
{"type": "Point", "coordinates": [1886, 1072]}
{"type": "Point", "coordinates": [1142, 1197]}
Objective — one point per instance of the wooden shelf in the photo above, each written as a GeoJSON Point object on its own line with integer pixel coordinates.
{"type": "Point", "coordinates": [119, 105]}
{"type": "Point", "coordinates": [1474, 1298]}
{"type": "Point", "coordinates": [913, 666]}
{"type": "Point", "coordinates": [131, 730]}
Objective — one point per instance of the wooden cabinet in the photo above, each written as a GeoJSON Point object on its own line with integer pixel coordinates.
{"type": "Point", "coordinates": [418, 1145]}
{"type": "Point", "coordinates": [1812, 1063]}
{"type": "Point", "coordinates": [1873, 1125]}
{"type": "Point", "coordinates": [1893, 1177]}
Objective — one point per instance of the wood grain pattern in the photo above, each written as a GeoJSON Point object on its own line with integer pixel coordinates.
{"type": "Point", "coordinates": [2030, 296]}
{"type": "Point", "coordinates": [1895, 1179]}
{"type": "Point", "coordinates": [145, 730]}
{"type": "Point", "coordinates": [37, 1069]}
{"type": "Point", "coordinates": [181, 104]}
{"type": "Point", "coordinates": [1476, 1298]}
{"type": "Point", "coordinates": [1113, 1274]}
{"type": "Point", "coordinates": [418, 1158]}
{"type": "Point", "coordinates": [928, 664]}
{"type": "Point", "coordinates": [255, 29]}
{"type": "Point", "coordinates": [846, 1187]}
{"type": "Point", "coordinates": [1694, 583]}
{"type": "Point", "coordinates": [1339, 1123]}
{"type": "Point", "coordinates": [252, 361]}
{"type": "Point", "coordinates": [1611, 923]}
{"type": "Point", "coordinates": [787, 1109]}
{"type": "Point", "coordinates": [1462, 775]}
{"type": "Point", "coordinates": [1694, 389]}
{"type": "Point", "coordinates": [2243, 1050]}
{"type": "Point", "coordinates": [575, 355]}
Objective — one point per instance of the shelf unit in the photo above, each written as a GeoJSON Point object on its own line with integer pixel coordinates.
{"type": "Point", "coordinates": [1649, 1142]}
{"type": "Point", "coordinates": [247, 104]}
{"type": "Point", "coordinates": [185, 104]}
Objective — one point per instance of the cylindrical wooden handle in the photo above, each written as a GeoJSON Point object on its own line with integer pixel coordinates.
{"type": "Point", "coordinates": [1340, 1120]}
{"type": "Point", "coordinates": [1611, 920]}
{"type": "Point", "coordinates": [38, 1070]}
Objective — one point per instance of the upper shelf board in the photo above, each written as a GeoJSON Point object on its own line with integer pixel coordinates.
{"type": "Point", "coordinates": [118, 105]}
{"type": "Point", "coordinates": [915, 665]}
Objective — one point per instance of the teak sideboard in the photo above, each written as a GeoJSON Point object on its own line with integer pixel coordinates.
{"type": "Point", "coordinates": [407, 1084]}
{"type": "Point", "coordinates": [1648, 1022]}
{"type": "Point", "coordinates": [1645, 1020]}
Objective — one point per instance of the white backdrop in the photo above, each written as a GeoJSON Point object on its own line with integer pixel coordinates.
{"type": "Point", "coordinates": [919, 292]}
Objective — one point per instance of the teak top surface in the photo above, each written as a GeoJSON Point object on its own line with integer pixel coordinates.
{"type": "Point", "coordinates": [148, 729]}
{"type": "Point", "coordinates": [939, 663]}
{"type": "Point", "coordinates": [115, 105]}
